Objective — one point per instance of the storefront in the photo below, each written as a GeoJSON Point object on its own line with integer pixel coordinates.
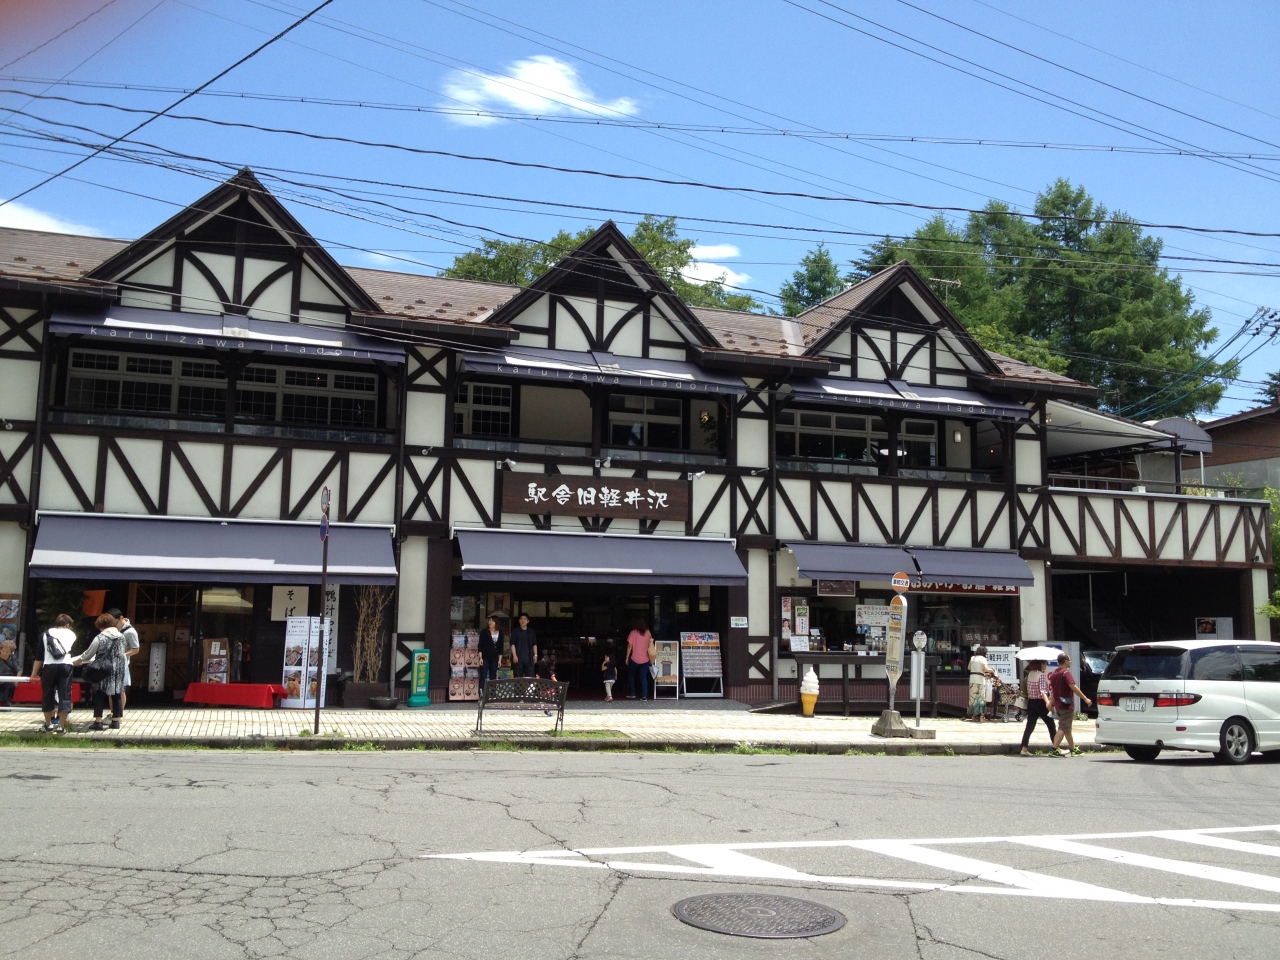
{"type": "Point", "coordinates": [836, 597]}
{"type": "Point", "coordinates": [583, 593]}
{"type": "Point", "coordinates": [184, 581]}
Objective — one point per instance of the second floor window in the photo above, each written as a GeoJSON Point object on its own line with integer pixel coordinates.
{"type": "Point", "coordinates": [482, 410]}
{"type": "Point", "coordinates": [816, 435]}
{"type": "Point", "coordinates": [636, 421]}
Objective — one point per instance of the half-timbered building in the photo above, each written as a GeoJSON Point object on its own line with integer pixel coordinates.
{"type": "Point", "coordinates": [587, 450]}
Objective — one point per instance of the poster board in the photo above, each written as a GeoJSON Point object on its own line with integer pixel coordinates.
{"type": "Point", "coordinates": [217, 661]}
{"type": "Point", "coordinates": [666, 683]}
{"type": "Point", "coordinates": [702, 666]}
{"type": "Point", "coordinates": [1215, 628]}
{"type": "Point", "coordinates": [464, 666]}
{"type": "Point", "coordinates": [1002, 661]}
{"type": "Point", "coordinates": [872, 620]}
{"type": "Point", "coordinates": [305, 650]}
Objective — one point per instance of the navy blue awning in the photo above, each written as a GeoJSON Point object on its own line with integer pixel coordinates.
{"type": "Point", "coordinates": [906, 397]}
{"type": "Point", "coordinates": [95, 546]}
{"type": "Point", "coordinates": [225, 331]}
{"type": "Point", "coordinates": [602, 369]}
{"type": "Point", "coordinates": [551, 557]}
{"type": "Point", "coordinates": [849, 561]}
{"type": "Point", "coordinates": [992, 568]}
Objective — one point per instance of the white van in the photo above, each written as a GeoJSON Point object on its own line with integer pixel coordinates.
{"type": "Point", "coordinates": [1219, 697]}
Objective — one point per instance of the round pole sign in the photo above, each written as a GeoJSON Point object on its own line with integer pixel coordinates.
{"type": "Point", "coordinates": [900, 582]}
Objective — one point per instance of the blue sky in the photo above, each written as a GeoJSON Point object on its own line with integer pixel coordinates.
{"type": "Point", "coordinates": [762, 66]}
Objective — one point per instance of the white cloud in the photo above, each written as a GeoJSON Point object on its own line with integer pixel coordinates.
{"type": "Point", "coordinates": [540, 85]}
{"type": "Point", "coordinates": [700, 271]}
{"type": "Point", "coordinates": [29, 218]}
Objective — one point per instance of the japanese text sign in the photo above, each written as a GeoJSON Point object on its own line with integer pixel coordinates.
{"type": "Point", "coordinates": [564, 496]}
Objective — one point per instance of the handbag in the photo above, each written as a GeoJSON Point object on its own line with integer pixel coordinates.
{"type": "Point", "coordinates": [95, 671]}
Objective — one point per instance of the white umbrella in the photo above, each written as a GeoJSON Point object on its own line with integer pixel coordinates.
{"type": "Point", "coordinates": [1039, 653]}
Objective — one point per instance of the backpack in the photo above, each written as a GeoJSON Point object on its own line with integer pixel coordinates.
{"type": "Point", "coordinates": [54, 646]}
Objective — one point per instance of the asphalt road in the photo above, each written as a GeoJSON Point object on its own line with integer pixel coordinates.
{"type": "Point", "coordinates": [164, 854]}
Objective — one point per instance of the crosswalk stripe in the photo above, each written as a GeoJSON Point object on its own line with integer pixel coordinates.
{"type": "Point", "coordinates": [1221, 843]}
{"type": "Point", "coordinates": [1201, 871]}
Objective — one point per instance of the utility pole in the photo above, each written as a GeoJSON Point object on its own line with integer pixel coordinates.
{"type": "Point", "coordinates": [324, 593]}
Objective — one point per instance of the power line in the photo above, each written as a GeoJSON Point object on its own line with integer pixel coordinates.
{"type": "Point", "coordinates": [218, 76]}
{"type": "Point", "coordinates": [58, 35]}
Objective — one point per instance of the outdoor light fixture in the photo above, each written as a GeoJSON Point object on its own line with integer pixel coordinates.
{"type": "Point", "coordinates": [957, 437]}
{"type": "Point", "coordinates": [508, 463]}
{"type": "Point", "coordinates": [695, 476]}
{"type": "Point", "coordinates": [759, 470]}
{"type": "Point", "coordinates": [604, 463]}
{"type": "Point", "coordinates": [426, 451]}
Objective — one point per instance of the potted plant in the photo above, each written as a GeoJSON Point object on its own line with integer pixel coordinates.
{"type": "Point", "coordinates": [367, 651]}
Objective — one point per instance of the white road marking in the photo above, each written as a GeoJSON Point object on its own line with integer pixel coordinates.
{"type": "Point", "coordinates": [730, 861]}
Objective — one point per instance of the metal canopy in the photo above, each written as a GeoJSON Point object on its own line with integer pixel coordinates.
{"type": "Point", "coordinates": [849, 561]}
{"type": "Point", "coordinates": [1073, 431]}
{"type": "Point", "coordinates": [602, 369]}
{"type": "Point", "coordinates": [95, 546]}
{"type": "Point", "coordinates": [908, 398]}
{"type": "Point", "coordinates": [550, 557]}
{"type": "Point", "coordinates": [993, 568]}
{"type": "Point", "coordinates": [136, 325]}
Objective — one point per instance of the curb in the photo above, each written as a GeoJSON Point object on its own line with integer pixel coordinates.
{"type": "Point", "coordinates": [894, 747]}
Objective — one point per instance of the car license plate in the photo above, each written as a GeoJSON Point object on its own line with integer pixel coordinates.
{"type": "Point", "coordinates": [1135, 704]}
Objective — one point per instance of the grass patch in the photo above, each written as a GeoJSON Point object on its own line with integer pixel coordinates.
{"type": "Point", "coordinates": [589, 734]}
{"type": "Point", "coordinates": [364, 745]}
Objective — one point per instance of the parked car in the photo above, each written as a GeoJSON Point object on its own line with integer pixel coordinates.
{"type": "Point", "coordinates": [1218, 697]}
{"type": "Point", "coordinates": [1093, 664]}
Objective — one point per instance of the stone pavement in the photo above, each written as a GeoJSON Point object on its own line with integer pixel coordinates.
{"type": "Point", "coordinates": [721, 725]}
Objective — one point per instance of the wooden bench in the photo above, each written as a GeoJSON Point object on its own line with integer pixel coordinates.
{"type": "Point", "coordinates": [523, 693]}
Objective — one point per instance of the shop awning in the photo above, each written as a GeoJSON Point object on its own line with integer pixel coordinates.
{"type": "Point", "coordinates": [550, 557]}
{"type": "Point", "coordinates": [849, 561]}
{"type": "Point", "coordinates": [603, 369]}
{"type": "Point", "coordinates": [225, 331]}
{"type": "Point", "coordinates": [991, 568]}
{"type": "Point", "coordinates": [898, 395]}
{"type": "Point", "coordinates": [94, 546]}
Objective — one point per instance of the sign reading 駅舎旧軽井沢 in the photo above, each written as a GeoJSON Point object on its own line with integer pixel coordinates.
{"type": "Point", "coordinates": [563, 496]}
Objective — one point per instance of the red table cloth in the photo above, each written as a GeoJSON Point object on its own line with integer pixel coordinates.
{"type": "Point", "coordinates": [32, 691]}
{"type": "Point", "coordinates": [234, 694]}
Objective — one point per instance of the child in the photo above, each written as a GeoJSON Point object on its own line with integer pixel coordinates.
{"type": "Point", "coordinates": [610, 673]}
{"type": "Point", "coordinates": [546, 669]}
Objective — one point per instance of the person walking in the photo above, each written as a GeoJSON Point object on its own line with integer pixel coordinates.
{"type": "Point", "coordinates": [979, 673]}
{"type": "Point", "coordinates": [132, 644]}
{"type": "Point", "coordinates": [1063, 691]}
{"type": "Point", "coordinates": [524, 648]}
{"type": "Point", "coordinates": [1035, 691]}
{"type": "Point", "coordinates": [107, 654]}
{"type": "Point", "coordinates": [609, 673]}
{"type": "Point", "coordinates": [10, 666]}
{"type": "Point", "coordinates": [54, 670]}
{"type": "Point", "coordinates": [490, 649]}
{"type": "Point", "coordinates": [638, 642]}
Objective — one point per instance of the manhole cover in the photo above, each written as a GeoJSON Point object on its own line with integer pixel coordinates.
{"type": "Point", "coordinates": [758, 915]}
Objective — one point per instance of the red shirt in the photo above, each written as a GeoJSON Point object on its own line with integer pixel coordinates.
{"type": "Point", "coordinates": [1060, 682]}
{"type": "Point", "coordinates": [639, 644]}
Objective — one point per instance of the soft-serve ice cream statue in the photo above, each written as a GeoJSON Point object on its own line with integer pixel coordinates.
{"type": "Point", "coordinates": [809, 692]}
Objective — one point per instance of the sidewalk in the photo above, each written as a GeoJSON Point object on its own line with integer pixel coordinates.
{"type": "Point", "coordinates": [722, 725]}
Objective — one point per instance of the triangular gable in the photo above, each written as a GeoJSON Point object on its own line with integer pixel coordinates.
{"type": "Point", "coordinates": [895, 306]}
{"type": "Point", "coordinates": [236, 250]}
{"type": "Point", "coordinates": [607, 263]}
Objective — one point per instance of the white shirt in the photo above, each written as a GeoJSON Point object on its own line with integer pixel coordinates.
{"type": "Point", "coordinates": [978, 667]}
{"type": "Point", "coordinates": [65, 637]}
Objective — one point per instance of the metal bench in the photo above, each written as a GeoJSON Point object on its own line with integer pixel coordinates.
{"type": "Point", "coordinates": [523, 693]}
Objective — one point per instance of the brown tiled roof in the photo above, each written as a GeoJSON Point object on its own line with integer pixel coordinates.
{"type": "Point", "coordinates": [1021, 370]}
{"type": "Point", "coordinates": [820, 318]}
{"type": "Point", "coordinates": [747, 332]}
{"type": "Point", "coordinates": [436, 298]}
{"type": "Point", "coordinates": [42, 256]}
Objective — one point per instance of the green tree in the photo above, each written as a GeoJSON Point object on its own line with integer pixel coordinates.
{"type": "Point", "coordinates": [1272, 609]}
{"type": "Point", "coordinates": [656, 238]}
{"type": "Point", "coordinates": [1081, 297]}
{"type": "Point", "coordinates": [1270, 389]}
{"type": "Point", "coordinates": [817, 279]}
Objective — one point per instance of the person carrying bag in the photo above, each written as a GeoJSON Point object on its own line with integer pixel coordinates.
{"type": "Point", "coordinates": [106, 666]}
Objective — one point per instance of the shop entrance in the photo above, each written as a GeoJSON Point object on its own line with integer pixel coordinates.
{"type": "Point", "coordinates": [582, 623]}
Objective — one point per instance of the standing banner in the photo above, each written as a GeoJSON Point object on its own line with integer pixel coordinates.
{"type": "Point", "coordinates": [305, 649]}
{"type": "Point", "coordinates": [666, 682]}
{"type": "Point", "coordinates": [1001, 660]}
{"type": "Point", "coordinates": [330, 611]}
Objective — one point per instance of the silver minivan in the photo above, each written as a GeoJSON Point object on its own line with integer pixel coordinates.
{"type": "Point", "coordinates": [1220, 697]}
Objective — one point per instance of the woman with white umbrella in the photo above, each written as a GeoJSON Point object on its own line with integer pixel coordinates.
{"type": "Point", "coordinates": [1035, 690]}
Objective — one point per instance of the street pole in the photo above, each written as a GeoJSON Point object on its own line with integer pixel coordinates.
{"type": "Point", "coordinates": [324, 594]}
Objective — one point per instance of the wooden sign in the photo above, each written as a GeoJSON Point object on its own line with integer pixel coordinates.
{"type": "Point", "coordinates": [561, 496]}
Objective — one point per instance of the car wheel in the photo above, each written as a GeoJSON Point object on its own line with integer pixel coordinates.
{"type": "Point", "coordinates": [1236, 740]}
{"type": "Point", "coordinates": [1142, 754]}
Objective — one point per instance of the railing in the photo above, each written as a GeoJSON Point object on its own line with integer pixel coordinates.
{"type": "Point", "coordinates": [857, 468]}
{"type": "Point", "coordinates": [288, 431]}
{"type": "Point", "coordinates": [1188, 487]}
{"type": "Point", "coordinates": [532, 448]}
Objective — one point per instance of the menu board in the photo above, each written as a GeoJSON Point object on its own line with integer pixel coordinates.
{"type": "Point", "coordinates": [305, 651]}
{"type": "Point", "coordinates": [872, 621]}
{"type": "Point", "coordinates": [700, 653]}
{"type": "Point", "coordinates": [217, 659]}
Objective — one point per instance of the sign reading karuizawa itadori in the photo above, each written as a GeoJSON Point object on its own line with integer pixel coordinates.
{"type": "Point", "coordinates": [564, 496]}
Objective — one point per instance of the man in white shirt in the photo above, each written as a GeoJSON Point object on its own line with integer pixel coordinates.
{"type": "Point", "coordinates": [132, 644]}
{"type": "Point", "coordinates": [54, 670]}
